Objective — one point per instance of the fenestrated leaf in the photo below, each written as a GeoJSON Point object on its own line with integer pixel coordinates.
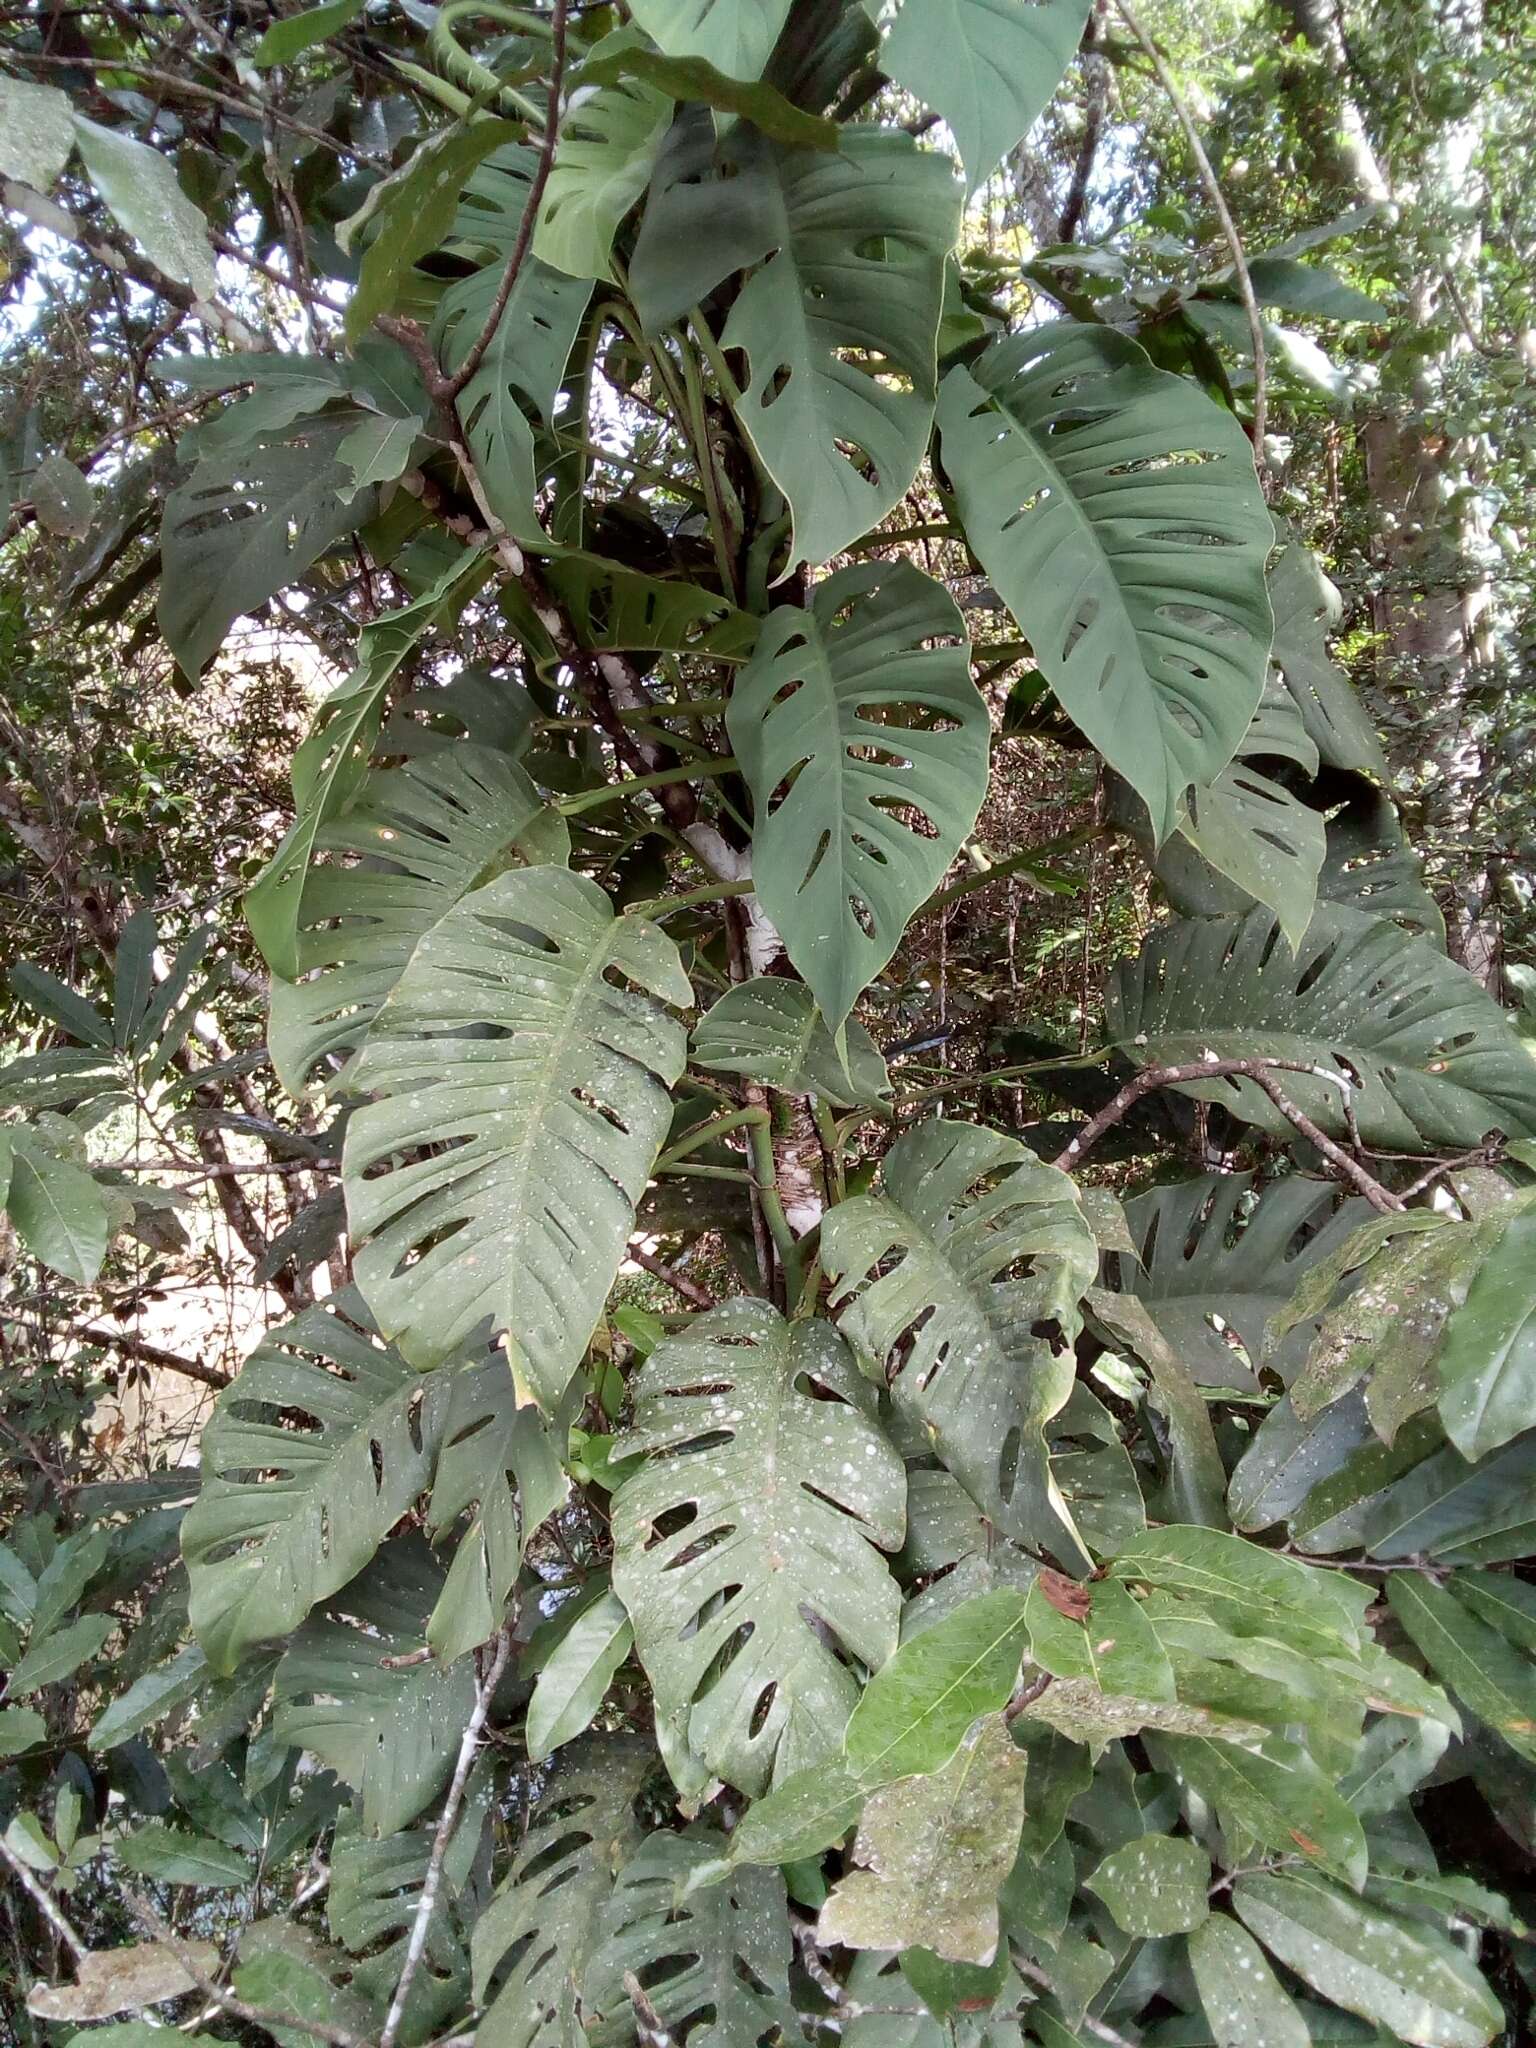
{"type": "Point", "coordinates": [989, 67]}
{"type": "Point", "coordinates": [390, 1729]}
{"type": "Point", "coordinates": [1434, 1059]}
{"type": "Point", "coordinates": [381, 874]}
{"type": "Point", "coordinates": [839, 326]}
{"type": "Point", "coordinates": [1277, 1794]}
{"type": "Point", "coordinates": [770, 1029]}
{"type": "Point", "coordinates": [608, 143]}
{"type": "Point", "coordinates": [1487, 1355]}
{"type": "Point", "coordinates": [933, 1853]}
{"type": "Point", "coordinates": [507, 1046]}
{"type": "Point", "coordinates": [850, 701]}
{"type": "Point", "coordinates": [531, 1943]}
{"type": "Point", "coordinates": [58, 1209]}
{"type": "Point", "coordinates": [1370, 865]}
{"type": "Point", "coordinates": [503, 1462]}
{"type": "Point", "coordinates": [759, 1427]}
{"type": "Point", "coordinates": [1155, 1885]}
{"type": "Point", "coordinates": [141, 191]}
{"type": "Point", "coordinates": [1305, 606]}
{"type": "Point", "coordinates": [1117, 512]}
{"type": "Point", "coordinates": [37, 132]}
{"type": "Point", "coordinates": [330, 767]}
{"type": "Point", "coordinates": [916, 1709]}
{"type": "Point", "coordinates": [1242, 1997]}
{"type": "Point", "coordinates": [570, 1687]}
{"type": "Point", "coordinates": [290, 1511]}
{"type": "Point", "coordinates": [1482, 1668]}
{"type": "Point", "coordinates": [1394, 1972]}
{"type": "Point", "coordinates": [923, 1261]}
{"type": "Point", "coordinates": [736, 36]}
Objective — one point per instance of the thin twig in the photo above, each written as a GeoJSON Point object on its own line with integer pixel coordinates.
{"type": "Point", "coordinates": [447, 1821]}
{"type": "Point", "coordinates": [1099, 2029]}
{"type": "Point", "coordinates": [669, 1276]}
{"type": "Point", "coordinates": [150, 1354]}
{"type": "Point", "coordinates": [227, 2001]}
{"type": "Point", "coordinates": [1026, 1696]}
{"type": "Point", "coordinates": [45, 1905]}
{"type": "Point", "coordinates": [1228, 226]}
{"type": "Point", "coordinates": [650, 2028]}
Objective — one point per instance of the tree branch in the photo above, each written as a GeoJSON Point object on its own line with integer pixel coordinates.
{"type": "Point", "coordinates": [238, 2008]}
{"type": "Point", "coordinates": [152, 1354]}
{"type": "Point", "coordinates": [41, 1899]}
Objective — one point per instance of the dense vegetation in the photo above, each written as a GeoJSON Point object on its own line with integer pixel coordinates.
{"type": "Point", "coordinates": [768, 1130]}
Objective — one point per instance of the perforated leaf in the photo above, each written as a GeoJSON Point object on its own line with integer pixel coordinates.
{"type": "Point", "coordinates": [1433, 1058]}
{"type": "Point", "coordinates": [519, 1045]}
{"type": "Point", "coordinates": [921, 1268]}
{"type": "Point", "coordinates": [1305, 606]}
{"type": "Point", "coordinates": [850, 702]}
{"type": "Point", "coordinates": [1117, 512]}
{"type": "Point", "coordinates": [1370, 865]}
{"type": "Point", "coordinates": [381, 874]}
{"type": "Point", "coordinates": [290, 1510]}
{"type": "Point", "coordinates": [608, 143]}
{"type": "Point", "coordinates": [770, 1029]}
{"type": "Point", "coordinates": [779, 1491]}
{"type": "Point", "coordinates": [736, 36]}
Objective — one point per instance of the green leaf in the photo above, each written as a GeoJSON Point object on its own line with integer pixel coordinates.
{"type": "Point", "coordinates": [570, 1688]}
{"type": "Point", "coordinates": [37, 133]}
{"type": "Point", "coordinates": [1369, 865]}
{"type": "Point", "coordinates": [933, 1853]}
{"type": "Point", "coordinates": [381, 874]}
{"type": "Point", "coordinates": [1276, 1794]}
{"type": "Point", "coordinates": [176, 1857]}
{"type": "Point", "coordinates": [917, 1708]}
{"type": "Point", "coordinates": [623, 54]}
{"type": "Point", "coordinates": [1197, 1479]}
{"type": "Point", "coordinates": [20, 1729]}
{"type": "Point", "coordinates": [805, 1813]}
{"type": "Point", "coordinates": [1394, 1758]}
{"type": "Point", "coordinates": [150, 1698]}
{"type": "Point", "coordinates": [920, 1269]}
{"type": "Point", "coordinates": [1155, 1885]}
{"type": "Point", "coordinates": [1115, 1645]}
{"type": "Point", "coordinates": [290, 1511]}
{"type": "Point", "coordinates": [736, 36]}
{"type": "Point", "coordinates": [989, 67]}
{"type": "Point", "coordinates": [390, 1730]}
{"type": "Point", "coordinates": [1248, 1591]}
{"type": "Point", "coordinates": [851, 701]}
{"type": "Point", "coordinates": [1497, 1681]}
{"type": "Point", "coordinates": [1306, 605]}
{"type": "Point", "coordinates": [1487, 1354]}
{"type": "Point", "coordinates": [1242, 1997]}
{"type": "Point", "coordinates": [330, 768]}
{"type": "Point", "coordinates": [59, 1211]}
{"type": "Point", "coordinates": [292, 36]}
{"type": "Point", "coordinates": [40, 990]}
{"type": "Point", "coordinates": [1393, 1972]}
{"type": "Point", "coordinates": [758, 1427]}
{"type": "Point", "coordinates": [770, 1029]}
{"type": "Point", "coordinates": [1310, 289]}
{"type": "Point", "coordinates": [63, 498]}
{"type": "Point", "coordinates": [551, 1127]}
{"type": "Point", "coordinates": [1118, 514]}
{"type": "Point", "coordinates": [1436, 1063]}
{"type": "Point", "coordinates": [608, 143]}
{"type": "Point", "coordinates": [411, 212]}
{"type": "Point", "coordinates": [141, 191]}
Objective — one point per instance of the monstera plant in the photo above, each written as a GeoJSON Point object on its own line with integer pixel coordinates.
{"type": "Point", "coordinates": [975, 1608]}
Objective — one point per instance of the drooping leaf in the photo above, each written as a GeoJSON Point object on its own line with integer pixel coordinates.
{"type": "Point", "coordinates": [1483, 1669]}
{"type": "Point", "coordinates": [291, 36]}
{"type": "Point", "coordinates": [54, 1656]}
{"type": "Point", "coordinates": [1155, 1885]}
{"type": "Point", "coordinates": [805, 1813]}
{"type": "Point", "coordinates": [1487, 1355]}
{"type": "Point", "coordinates": [759, 1427]}
{"type": "Point", "coordinates": [924, 1260]}
{"type": "Point", "coordinates": [1430, 1055]}
{"type": "Point", "coordinates": [851, 703]}
{"type": "Point", "coordinates": [916, 1709]}
{"type": "Point", "coordinates": [570, 1687]}
{"type": "Point", "coordinates": [547, 1129]}
{"type": "Point", "coordinates": [602, 165]}
{"type": "Point", "coordinates": [1246, 1590]}
{"type": "Point", "coordinates": [624, 53]}
{"type": "Point", "coordinates": [1305, 605]}
{"type": "Point", "coordinates": [1118, 514]}
{"type": "Point", "coordinates": [58, 1209]}
{"type": "Point", "coordinates": [1196, 1478]}
{"type": "Point", "coordinates": [1241, 1995]}
{"type": "Point", "coordinates": [290, 1512]}
{"type": "Point", "coordinates": [736, 36]}
{"type": "Point", "coordinates": [770, 1029]}
{"type": "Point", "coordinates": [141, 191]}
{"type": "Point", "coordinates": [933, 1853]}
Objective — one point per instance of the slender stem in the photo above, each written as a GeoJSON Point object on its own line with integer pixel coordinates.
{"type": "Point", "coordinates": [41, 1899]}
{"type": "Point", "coordinates": [1030, 857]}
{"type": "Point", "coordinates": [710, 892]}
{"type": "Point", "coordinates": [237, 2008]}
{"type": "Point", "coordinates": [704, 455]}
{"type": "Point", "coordinates": [705, 767]}
{"type": "Point", "coordinates": [703, 1134]}
{"type": "Point", "coordinates": [764, 1166]}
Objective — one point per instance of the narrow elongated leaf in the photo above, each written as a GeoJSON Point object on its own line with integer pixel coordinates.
{"type": "Point", "coordinates": [52, 1658]}
{"type": "Point", "coordinates": [916, 1708]}
{"type": "Point", "coordinates": [507, 1046]}
{"type": "Point", "coordinates": [1433, 1059]}
{"type": "Point", "coordinates": [1393, 1972]}
{"type": "Point", "coordinates": [1114, 1644]}
{"type": "Point", "coordinates": [852, 703]}
{"type": "Point", "coordinates": [1497, 1681]}
{"type": "Point", "coordinates": [290, 1511]}
{"type": "Point", "coordinates": [150, 1698]}
{"type": "Point", "coordinates": [176, 1857]}
{"type": "Point", "coordinates": [1196, 1479]}
{"type": "Point", "coordinates": [736, 36]}
{"type": "Point", "coordinates": [1487, 1355]}
{"type": "Point", "coordinates": [1278, 1795]}
{"type": "Point", "coordinates": [59, 1211]}
{"type": "Point", "coordinates": [1242, 1997]}
{"type": "Point", "coordinates": [920, 1268]}
{"type": "Point", "coordinates": [1249, 1591]}
{"type": "Point", "coordinates": [770, 1029]}
{"type": "Point", "coordinates": [1118, 514]}
{"type": "Point", "coordinates": [291, 37]}
{"type": "Point", "coordinates": [807, 1812]}
{"type": "Point", "coordinates": [141, 191]}
{"type": "Point", "coordinates": [759, 1427]}
{"type": "Point", "coordinates": [570, 1688]}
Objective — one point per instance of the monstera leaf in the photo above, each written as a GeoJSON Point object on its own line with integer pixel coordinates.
{"type": "Point", "coordinates": [736, 36]}
{"type": "Point", "coordinates": [509, 1047]}
{"type": "Point", "coordinates": [1369, 865]}
{"type": "Point", "coordinates": [1305, 605]}
{"type": "Point", "coordinates": [1430, 1056]}
{"type": "Point", "coordinates": [608, 143]}
{"type": "Point", "coordinates": [1117, 512]}
{"type": "Point", "coordinates": [722, 1950]}
{"type": "Point", "coordinates": [840, 325]}
{"type": "Point", "coordinates": [921, 1268]}
{"type": "Point", "coordinates": [851, 703]}
{"type": "Point", "coordinates": [290, 1511]}
{"type": "Point", "coordinates": [990, 67]}
{"type": "Point", "coordinates": [383, 873]}
{"type": "Point", "coordinates": [532, 1942]}
{"type": "Point", "coordinates": [770, 1029]}
{"type": "Point", "coordinates": [745, 1548]}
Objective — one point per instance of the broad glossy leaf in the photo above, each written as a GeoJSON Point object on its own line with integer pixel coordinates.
{"type": "Point", "coordinates": [416, 839]}
{"type": "Point", "coordinates": [959, 1207]}
{"type": "Point", "coordinates": [1434, 1059]}
{"type": "Point", "coordinates": [1305, 606]}
{"type": "Point", "coordinates": [37, 133]}
{"type": "Point", "coordinates": [143, 194]}
{"type": "Point", "coordinates": [1118, 514]}
{"type": "Point", "coordinates": [916, 1709]}
{"type": "Point", "coordinates": [989, 67]}
{"type": "Point", "coordinates": [736, 36]}
{"type": "Point", "coordinates": [759, 1428]}
{"type": "Point", "coordinates": [1392, 1971]}
{"type": "Point", "coordinates": [292, 35]}
{"type": "Point", "coordinates": [862, 702]}
{"type": "Point", "coordinates": [1246, 1590]}
{"type": "Point", "coordinates": [933, 1853]}
{"type": "Point", "coordinates": [1487, 1354]}
{"type": "Point", "coordinates": [1276, 1794]}
{"type": "Point", "coordinates": [1483, 1669]}
{"type": "Point", "coordinates": [1114, 1644]}
{"type": "Point", "coordinates": [1241, 1995]}
{"type": "Point", "coordinates": [807, 1812]}
{"type": "Point", "coordinates": [1155, 1885]}
{"type": "Point", "coordinates": [1429, 1501]}
{"type": "Point", "coordinates": [1289, 1455]}
{"type": "Point", "coordinates": [770, 1029]}
{"type": "Point", "coordinates": [608, 143]}
{"type": "Point", "coordinates": [570, 1687]}
{"type": "Point", "coordinates": [290, 1511]}
{"type": "Point", "coordinates": [150, 1698]}
{"type": "Point", "coordinates": [58, 1209]}
{"type": "Point", "coordinates": [1370, 865]}
{"type": "Point", "coordinates": [507, 1046]}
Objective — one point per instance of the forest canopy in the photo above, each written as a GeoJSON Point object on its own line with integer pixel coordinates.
{"type": "Point", "coordinates": [768, 1027]}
